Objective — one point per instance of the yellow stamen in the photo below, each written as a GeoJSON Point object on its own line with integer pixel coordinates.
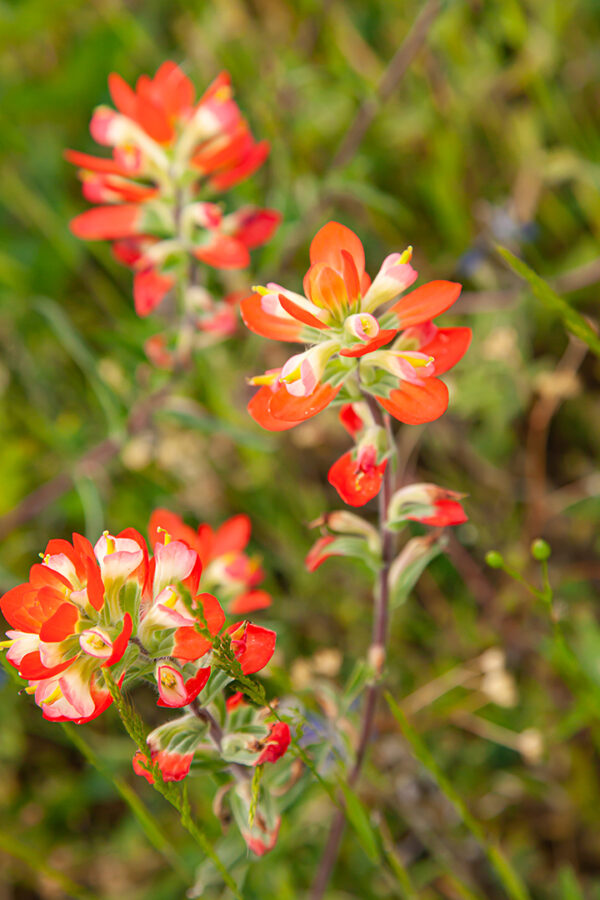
{"type": "Point", "coordinates": [294, 375]}
{"type": "Point", "coordinates": [406, 257]}
{"type": "Point", "coordinates": [96, 642]}
{"type": "Point", "coordinates": [55, 695]}
{"type": "Point", "coordinates": [30, 689]}
{"type": "Point", "coordinates": [110, 543]}
{"type": "Point", "coordinates": [368, 325]}
{"type": "Point", "coordinates": [164, 531]}
{"type": "Point", "coordinates": [172, 600]}
{"type": "Point", "coordinates": [267, 378]}
{"type": "Point", "coordinates": [416, 362]}
{"type": "Point", "coordinates": [223, 93]}
{"type": "Point", "coordinates": [259, 289]}
{"type": "Point", "coordinates": [4, 645]}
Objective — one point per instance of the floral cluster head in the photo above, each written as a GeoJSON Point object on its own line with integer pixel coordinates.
{"type": "Point", "coordinates": [227, 568]}
{"type": "Point", "coordinates": [359, 341]}
{"type": "Point", "coordinates": [113, 606]}
{"type": "Point", "coordinates": [91, 620]}
{"type": "Point", "coordinates": [172, 155]}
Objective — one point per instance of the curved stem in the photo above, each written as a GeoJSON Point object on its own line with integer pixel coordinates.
{"type": "Point", "coordinates": [377, 653]}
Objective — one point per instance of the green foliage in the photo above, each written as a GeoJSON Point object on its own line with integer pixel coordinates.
{"type": "Point", "coordinates": [572, 320]}
{"type": "Point", "coordinates": [509, 878]}
{"type": "Point", "coordinates": [492, 135]}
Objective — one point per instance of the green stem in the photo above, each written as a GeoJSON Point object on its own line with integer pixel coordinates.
{"type": "Point", "coordinates": [175, 794]}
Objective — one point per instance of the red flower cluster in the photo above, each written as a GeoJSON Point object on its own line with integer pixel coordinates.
{"type": "Point", "coordinates": [166, 148]}
{"type": "Point", "coordinates": [85, 609]}
{"type": "Point", "coordinates": [336, 316]}
{"type": "Point", "coordinates": [226, 568]}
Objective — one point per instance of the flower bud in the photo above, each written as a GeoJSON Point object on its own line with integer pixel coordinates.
{"type": "Point", "coordinates": [494, 559]}
{"type": "Point", "coordinates": [362, 325]}
{"type": "Point", "coordinates": [540, 550]}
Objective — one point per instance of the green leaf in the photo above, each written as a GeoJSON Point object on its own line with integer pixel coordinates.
{"type": "Point", "coordinates": [572, 320]}
{"type": "Point", "coordinates": [410, 564]}
{"type": "Point", "coordinates": [207, 424]}
{"type": "Point", "coordinates": [359, 819]}
{"type": "Point", "coordinates": [511, 880]}
{"type": "Point", "coordinates": [569, 886]}
{"type": "Point", "coordinates": [80, 353]}
{"type": "Point", "coordinates": [356, 548]}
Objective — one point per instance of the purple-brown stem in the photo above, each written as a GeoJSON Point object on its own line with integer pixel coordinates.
{"type": "Point", "coordinates": [377, 652]}
{"type": "Point", "coordinates": [240, 773]}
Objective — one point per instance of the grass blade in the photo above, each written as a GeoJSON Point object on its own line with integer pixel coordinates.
{"type": "Point", "coordinates": [149, 824]}
{"type": "Point", "coordinates": [28, 855]}
{"type": "Point", "coordinates": [511, 881]}
{"type": "Point", "coordinates": [572, 320]}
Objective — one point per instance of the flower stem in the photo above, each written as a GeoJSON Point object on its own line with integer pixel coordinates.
{"type": "Point", "coordinates": [174, 793]}
{"type": "Point", "coordinates": [377, 653]}
{"type": "Point", "coordinates": [241, 773]}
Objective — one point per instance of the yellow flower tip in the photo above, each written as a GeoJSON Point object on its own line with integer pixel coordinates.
{"type": "Point", "coordinates": [259, 289]}
{"type": "Point", "coordinates": [164, 531]}
{"type": "Point", "coordinates": [30, 689]}
{"type": "Point", "coordinates": [223, 93]}
{"type": "Point", "coordinates": [172, 600]}
{"type": "Point", "coordinates": [97, 642]}
{"type": "Point", "coordinates": [294, 375]}
{"type": "Point", "coordinates": [369, 326]}
{"type": "Point", "coordinates": [406, 256]}
{"type": "Point", "coordinates": [267, 378]}
{"type": "Point", "coordinates": [110, 543]}
{"type": "Point", "coordinates": [55, 695]}
{"type": "Point", "coordinates": [415, 361]}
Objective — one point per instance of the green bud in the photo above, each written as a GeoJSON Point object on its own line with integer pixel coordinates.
{"type": "Point", "coordinates": [540, 550]}
{"type": "Point", "coordinates": [494, 559]}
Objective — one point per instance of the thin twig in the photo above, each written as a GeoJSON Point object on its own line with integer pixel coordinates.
{"type": "Point", "coordinates": [363, 120]}
{"type": "Point", "coordinates": [392, 77]}
{"type": "Point", "coordinates": [536, 444]}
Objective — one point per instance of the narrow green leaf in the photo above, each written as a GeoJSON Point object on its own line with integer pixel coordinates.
{"type": "Point", "coordinates": [513, 885]}
{"type": "Point", "coordinates": [80, 353]}
{"type": "Point", "coordinates": [572, 320]}
{"type": "Point", "coordinates": [569, 886]}
{"type": "Point", "coordinates": [358, 817]}
{"type": "Point", "coordinates": [32, 858]}
{"type": "Point", "coordinates": [410, 564]}
{"type": "Point", "coordinates": [150, 825]}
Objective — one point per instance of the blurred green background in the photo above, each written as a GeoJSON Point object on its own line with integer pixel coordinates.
{"type": "Point", "coordinates": [492, 135]}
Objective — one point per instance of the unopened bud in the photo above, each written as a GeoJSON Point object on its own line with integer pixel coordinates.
{"type": "Point", "coordinates": [540, 550]}
{"type": "Point", "coordinates": [342, 521]}
{"type": "Point", "coordinates": [492, 659]}
{"type": "Point", "coordinates": [494, 559]}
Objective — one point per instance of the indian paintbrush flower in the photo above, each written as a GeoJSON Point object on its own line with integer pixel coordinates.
{"type": "Point", "coordinates": [346, 321]}
{"type": "Point", "coordinates": [172, 155]}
